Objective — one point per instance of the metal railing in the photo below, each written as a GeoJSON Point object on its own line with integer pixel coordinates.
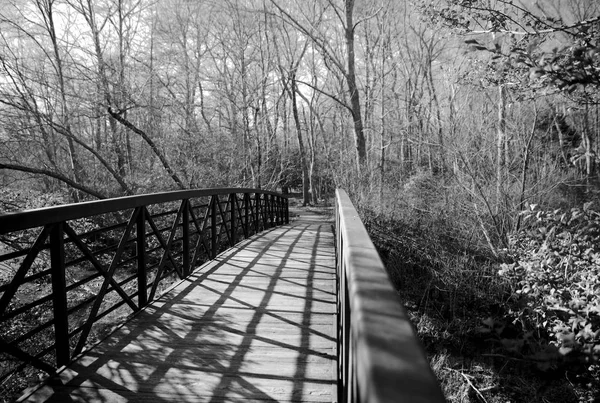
{"type": "Point", "coordinates": [66, 268]}
{"type": "Point", "coordinates": [379, 356]}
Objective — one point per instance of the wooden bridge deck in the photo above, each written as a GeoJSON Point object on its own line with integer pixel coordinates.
{"type": "Point", "coordinates": [256, 324]}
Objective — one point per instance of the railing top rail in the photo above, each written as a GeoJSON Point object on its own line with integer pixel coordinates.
{"type": "Point", "coordinates": [20, 220]}
{"type": "Point", "coordinates": [390, 362]}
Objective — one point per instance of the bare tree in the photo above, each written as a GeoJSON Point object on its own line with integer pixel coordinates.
{"type": "Point", "coordinates": [310, 27]}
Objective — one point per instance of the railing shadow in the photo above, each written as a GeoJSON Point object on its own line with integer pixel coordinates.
{"type": "Point", "coordinates": [256, 324]}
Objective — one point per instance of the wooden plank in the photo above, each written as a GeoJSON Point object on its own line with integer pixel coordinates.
{"type": "Point", "coordinates": [256, 324]}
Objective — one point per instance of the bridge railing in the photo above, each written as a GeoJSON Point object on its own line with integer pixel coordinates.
{"type": "Point", "coordinates": [67, 271]}
{"type": "Point", "coordinates": [379, 356]}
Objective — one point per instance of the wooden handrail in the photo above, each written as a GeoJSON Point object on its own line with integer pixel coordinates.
{"type": "Point", "coordinates": [379, 356]}
{"type": "Point", "coordinates": [81, 252]}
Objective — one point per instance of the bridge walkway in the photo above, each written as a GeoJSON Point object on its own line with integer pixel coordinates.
{"type": "Point", "coordinates": [256, 324]}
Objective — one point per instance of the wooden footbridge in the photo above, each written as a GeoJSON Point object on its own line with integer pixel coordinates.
{"type": "Point", "coordinates": [229, 298]}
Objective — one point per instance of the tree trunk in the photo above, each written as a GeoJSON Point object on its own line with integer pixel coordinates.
{"type": "Point", "coordinates": [76, 166]}
{"type": "Point", "coordinates": [438, 116]}
{"type": "Point", "coordinates": [292, 89]}
{"type": "Point", "coordinates": [359, 135]}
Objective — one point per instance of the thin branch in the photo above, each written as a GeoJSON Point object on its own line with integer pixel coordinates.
{"type": "Point", "coordinates": [368, 17]}
{"type": "Point", "coordinates": [321, 43]}
{"type": "Point", "coordinates": [333, 97]}
{"type": "Point", "coordinates": [117, 116]}
{"type": "Point", "coordinates": [342, 19]}
{"type": "Point", "coordinates": [66, 132]}
{"type": "Point", "coordinates": [494, 12]}
{"type": "Point", "coordinates": [55, 175]}
{"type": "Point", "coordinates": [525, 11]}
{"type": "Point", "coordinates": [473, 387]}
{"type": "Point", "coordinates": [563, 28]}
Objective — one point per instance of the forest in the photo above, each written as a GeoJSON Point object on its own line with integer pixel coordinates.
{"type": "Point", "coordinates": [467, 132]}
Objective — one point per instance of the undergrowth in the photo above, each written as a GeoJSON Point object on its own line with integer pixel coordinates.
{"type": "Point", "coordinates": [511, 330]}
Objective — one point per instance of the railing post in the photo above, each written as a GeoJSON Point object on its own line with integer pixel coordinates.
{"type": "Point", "coordinates": [233, 224]}
{"type": "Point", "coordinates": [272, 210]}
{"type": "Point", "coordinates": [286, 207]}
{"type": "Point", "coordinates": [141, 258]}
{"type": "Point", "coordinates": [213, 226]}
{"type": "Point", "coordinates": [280, 209]}
{"type": "Point", "coordinates": [268, 211]}
{"type": "Point", "coordinates": [256, 212]}
{"type": "Point", "coordinates": [186, 269]}
{"type": "Point", "coordinates": [246, 213]}
{"type": "Point", "coordinates": [59, 295]}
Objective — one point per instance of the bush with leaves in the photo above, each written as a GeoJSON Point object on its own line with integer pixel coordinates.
{"type": "Point", "coordinates": [556, 283]}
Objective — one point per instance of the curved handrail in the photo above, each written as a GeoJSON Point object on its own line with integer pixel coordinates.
{"type": "Point", "coordinates": [379, 356]}
{"type": "Point", "coordinates": [19, 220]}
{"type": "Point", "coordinates": [125, 247]}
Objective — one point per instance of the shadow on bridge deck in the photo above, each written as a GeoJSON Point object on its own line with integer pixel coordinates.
{"type": "Point", "coordinates": [256, 324]}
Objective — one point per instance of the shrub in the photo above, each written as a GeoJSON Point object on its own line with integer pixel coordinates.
{"type": "Point", "coordinates": [556, 287]}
